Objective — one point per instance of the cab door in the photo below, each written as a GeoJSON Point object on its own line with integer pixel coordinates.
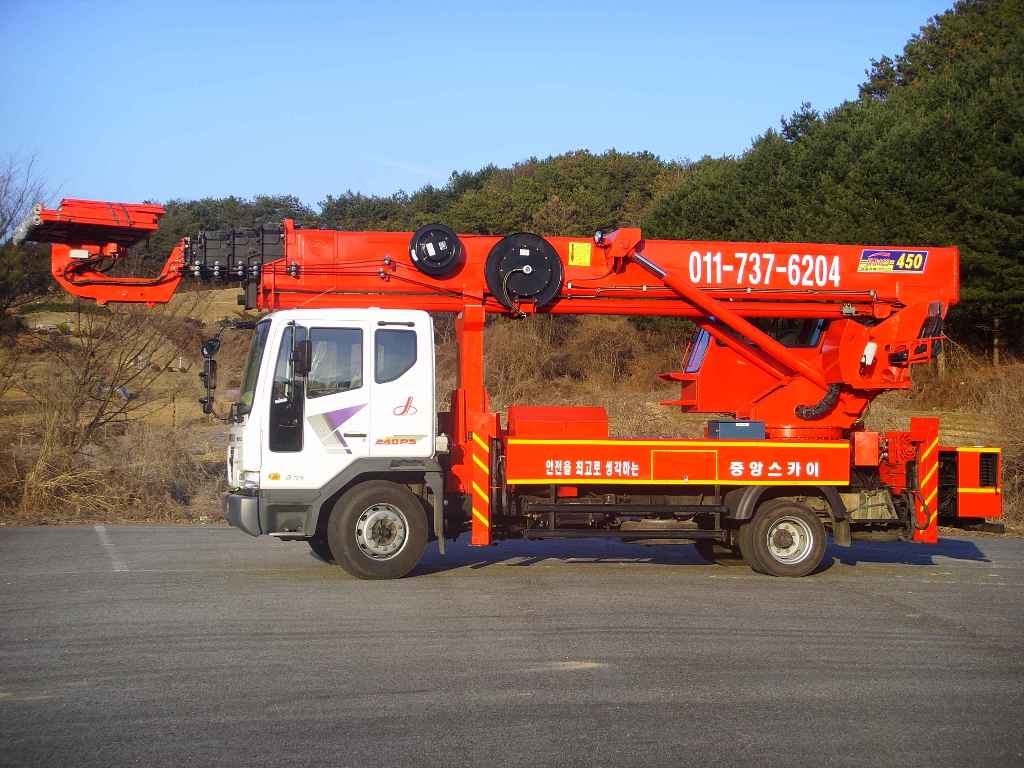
{"type": "Point", "coordinates": [318, 423]}
{"type": "Point", "coordinates": [402, 422]}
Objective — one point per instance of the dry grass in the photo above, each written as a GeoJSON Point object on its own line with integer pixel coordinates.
{"type": "Point", "coordinates": [99, 422]}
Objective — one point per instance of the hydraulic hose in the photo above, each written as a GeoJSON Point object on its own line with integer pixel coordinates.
{"type": "Point", "coordinates": [823, 406]}
{"type": "Point", "coordinates": [909, 495]}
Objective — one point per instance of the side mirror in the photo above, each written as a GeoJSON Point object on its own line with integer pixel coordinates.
{"type": "Point", "coordinates": [302, 357]}
{"type": "Point", "coordinates": [210, 347]}
{"type": "Point", "coordinates": [209, 379]}
{"type": "Point", "coordinates": [209, 374]}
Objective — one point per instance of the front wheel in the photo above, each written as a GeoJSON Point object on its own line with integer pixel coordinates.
{"type": "Point", "coordinates": [321, 548]}
{"type": "Point", "coordinates": [785, 538]}
{"type": "Point", "coordinates": [377, 530]}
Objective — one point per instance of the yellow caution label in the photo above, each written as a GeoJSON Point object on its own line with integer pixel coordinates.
{"type": "Point", "coordinates": [579, 254]}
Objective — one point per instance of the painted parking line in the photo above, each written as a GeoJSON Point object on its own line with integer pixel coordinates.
{"type": "Point", "coordinates": [115, 562]}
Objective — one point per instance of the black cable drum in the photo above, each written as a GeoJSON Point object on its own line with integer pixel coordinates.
{"type": "Point", "coordinates": [524, 267]}
{"type": "Point", "coordinates": [436, 250]}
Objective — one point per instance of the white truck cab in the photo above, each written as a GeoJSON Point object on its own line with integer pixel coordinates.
{"type": "Point", "coordinates": [329, 397]}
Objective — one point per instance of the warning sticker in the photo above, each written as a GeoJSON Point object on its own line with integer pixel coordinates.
{"type": "Point", "coordinates": [579, 254]}
{"type": "Point", "coordinates": [872, 260]}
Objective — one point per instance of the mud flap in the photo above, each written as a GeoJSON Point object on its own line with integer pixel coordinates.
{"type": "Point", "coordinates": [841, 533]}
{"type": "Point", "coordinates": [435, 481]}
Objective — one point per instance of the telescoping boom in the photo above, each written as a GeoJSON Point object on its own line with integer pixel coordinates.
{"type": "Point", "coordinates": [336, 439]}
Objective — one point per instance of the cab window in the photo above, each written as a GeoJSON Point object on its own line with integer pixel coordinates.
{"type": "Point", "coordinates": [394, 354]}
{"type": "Point", "coordinates": [286, 398]}
{"type": "Point", "coordinates": [792, 332]}
{"type": "Point", "coordinates": [337, 361]}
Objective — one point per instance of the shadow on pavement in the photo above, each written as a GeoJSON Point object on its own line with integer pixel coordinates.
{"type": "Point", "coordinates": [520, 553]}
{"type": "Point", "coordinates": [905, 553]}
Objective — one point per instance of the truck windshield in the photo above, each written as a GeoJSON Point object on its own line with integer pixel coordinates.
{"type": "Point", "coordinates": [252, 367]}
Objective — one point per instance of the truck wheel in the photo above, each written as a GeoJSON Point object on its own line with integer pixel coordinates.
{"type": "Point", "coordinates": [377, 530]}
{"type": "Point", "coordinates": [745, 544]}
{"type": "Point", "coordinates": [719, 553]}
{"type": "Point", "coordinates": [785, 538]}
{"type": "Point", "coordinates": [321, 548]}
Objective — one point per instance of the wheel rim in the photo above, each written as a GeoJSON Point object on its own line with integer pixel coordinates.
{"type": "Point", "coordinates": [382, 531]}
{"type": "Point", "coordinates": [789, 540]}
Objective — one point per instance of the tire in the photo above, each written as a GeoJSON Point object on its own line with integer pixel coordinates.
{"type": "Point", "coordinates": [377, 530]}
{"type": "Point", "coordinates": [321, 548]}
{"type": "Point", "coordinates": [785, 538]}
{"type": "Point", "coordinates": [745, 545]}
{"type": "Point", "coordinates": [719, 554]}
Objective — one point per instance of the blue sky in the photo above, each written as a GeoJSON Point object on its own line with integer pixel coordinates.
{"type": "Point", "coordinates": [132, 101]}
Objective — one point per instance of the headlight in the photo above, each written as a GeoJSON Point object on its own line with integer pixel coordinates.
{"type": "Point", "coordinates": [251, 481]}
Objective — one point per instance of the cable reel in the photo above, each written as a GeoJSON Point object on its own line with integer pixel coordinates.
{"type": "Point", "coordinates": [523, 267]}
{"type": "Point", "coordinates": [436, 250]}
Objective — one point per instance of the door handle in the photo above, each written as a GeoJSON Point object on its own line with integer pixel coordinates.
{"type": "Point", "coordinates": [353, 434]}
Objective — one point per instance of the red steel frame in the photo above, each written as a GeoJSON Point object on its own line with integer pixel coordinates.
{"type": "Point", "coordinates": [721, 285]}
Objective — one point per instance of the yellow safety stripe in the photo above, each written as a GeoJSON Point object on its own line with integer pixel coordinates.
{"type": "Point", "coordinates": [480, 464]}
{"type": "Point", "coordinates": [978, 490]}
{"type": "Point", "coordinates": [481, 518]}
{"type": "Point", "coordinates": [611, 481]}
{"type": "Point", "coordinates": [930, 475]}
{"type": "Point", "coordinates": [686, 443]}
{"type": "Point", "coordinates": [931, 497]}
{"type": "Point", "coordinates": [979, 450]}
{"type": "Point", "coordinates": [480, 491]}
{"type": "Point", "coordinates": [930, 448]}
{"type": "Point", "coordinates": [482, 443]}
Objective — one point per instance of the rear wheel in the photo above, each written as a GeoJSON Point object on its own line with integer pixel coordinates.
{"type": "Point", "coordinates": [745, 543]}
{"type": "Point", "coordinates": [377, 530]}
{"type": "Point", "coordinates": [785, 538]}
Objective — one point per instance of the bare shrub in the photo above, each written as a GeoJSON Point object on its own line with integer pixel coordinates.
{"type": "Point", "coordinates": [23, 270]}
{"type": "Point", "coordinates": [88, 390]}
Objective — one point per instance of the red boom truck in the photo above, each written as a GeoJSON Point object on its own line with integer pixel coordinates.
{"type": "Point", "coordinates": [336, 439]}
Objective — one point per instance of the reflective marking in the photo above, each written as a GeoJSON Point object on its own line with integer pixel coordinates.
{"type": "Point", "coordinates": [979, 450]}
{"type": "Point", "coordinates": [480, 464]}
{"type": "Point", "coordinates": [670, 443]}
{"type": "Point", "coordinates": [481, 518]}
{"type": "Point", "coordinates": [931, 497]}
{"type": "Point", "coordinates": [115, 562]}
{"type": "Point", "coordinates": [608, 481]}
{"type": "Point", "coordinates": [931, 448]}
{"type": "Point", "coordinates": [480, 491]}
{"type": "Point", "coordinates": [482, 443]}
{"type": "Point", "coordinates": [978, 490]}
{"type": "Point", "coordinates": [930, 475]}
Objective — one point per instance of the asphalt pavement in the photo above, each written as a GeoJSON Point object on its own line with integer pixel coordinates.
{"type": "Point", "coordinates": [177, 646]}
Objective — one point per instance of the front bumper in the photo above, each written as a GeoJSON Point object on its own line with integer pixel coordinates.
{"type": "Point", "coordinates": [243, 512]}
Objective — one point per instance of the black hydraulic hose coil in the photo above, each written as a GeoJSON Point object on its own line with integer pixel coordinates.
{"type": "Point", "coordinates": [822, 407]}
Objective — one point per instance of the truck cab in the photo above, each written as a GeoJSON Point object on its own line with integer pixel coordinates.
{"type": "Point", "coordinates": [329, 396]}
